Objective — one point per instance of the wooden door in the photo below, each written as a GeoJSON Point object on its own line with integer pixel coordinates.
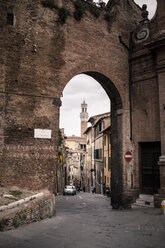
{"type": "Point", "coordinates": [150, 175]}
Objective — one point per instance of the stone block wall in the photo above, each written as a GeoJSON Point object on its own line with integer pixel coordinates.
{"type": "Point", "coordinates": [32, 211]}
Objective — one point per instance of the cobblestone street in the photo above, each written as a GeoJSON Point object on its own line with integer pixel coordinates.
{"type": "Point", "coordinates": [87, 221]}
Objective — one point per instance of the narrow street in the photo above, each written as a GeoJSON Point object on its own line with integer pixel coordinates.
{"type": "Point", "coordinates": [87, 221]}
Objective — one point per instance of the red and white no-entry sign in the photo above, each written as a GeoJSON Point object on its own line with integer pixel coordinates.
{"type": "Point", "coordinates": [128, 156]}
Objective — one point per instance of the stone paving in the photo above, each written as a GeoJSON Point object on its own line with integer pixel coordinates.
{"type": "Point", "coordinates": [88, 221]}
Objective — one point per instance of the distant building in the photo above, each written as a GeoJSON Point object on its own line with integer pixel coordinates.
{"type": "Point", "coordinates": [88, 160]}
{"type": "Point", "coordinates": [97, 172]}
{"type": "Point", "coordinates": [102, 123]}
{"type": "Point", "coordinates": [61, 176]}
{"type": "Point", "coordinates": [76, 147]}
{"type": "Point", "coordinates": [107, 156]}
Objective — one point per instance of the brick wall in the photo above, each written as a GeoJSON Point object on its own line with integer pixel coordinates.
{"type": "Point", "coordinates": [39, 57]}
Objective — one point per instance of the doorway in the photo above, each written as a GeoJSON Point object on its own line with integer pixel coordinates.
{"type": "Point", "coordinates": [150, 174]}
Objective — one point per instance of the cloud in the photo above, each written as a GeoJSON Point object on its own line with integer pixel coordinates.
{"type": "Point", "coordinates": [151, 4]}
{"type": "Point", "coordinates": [81, 87]}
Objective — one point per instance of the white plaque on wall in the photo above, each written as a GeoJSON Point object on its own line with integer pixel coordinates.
{"type": "Point", "coordinates": [42, 134]}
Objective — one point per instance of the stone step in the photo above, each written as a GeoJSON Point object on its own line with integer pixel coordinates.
{"type": "Point", "coordinates": [148, 198]}
{"type": "Point", "coordinates": [135, 205]}
{"type": "Point", "coordinates": [146, 201]}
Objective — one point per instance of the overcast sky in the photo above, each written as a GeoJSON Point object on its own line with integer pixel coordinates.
{"type": "Point", "coordinates": [83, 87]}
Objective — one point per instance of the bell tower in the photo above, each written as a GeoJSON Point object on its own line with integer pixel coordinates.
{"type": "Point", "coordinates": [83, 117]}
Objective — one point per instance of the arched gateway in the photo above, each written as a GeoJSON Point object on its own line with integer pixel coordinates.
{"type": "Point", "coordinates": [43, 45]}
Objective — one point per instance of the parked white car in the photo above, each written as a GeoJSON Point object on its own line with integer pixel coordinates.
{"type": "Point", "coordinates": [69, 190]}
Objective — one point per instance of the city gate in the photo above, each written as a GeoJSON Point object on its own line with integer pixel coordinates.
{"type": "Point", "coordinates": [46, 43]}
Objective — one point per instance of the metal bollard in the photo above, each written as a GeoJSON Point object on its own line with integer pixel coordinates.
{"type": "Point", "coordinates": [163, 207]}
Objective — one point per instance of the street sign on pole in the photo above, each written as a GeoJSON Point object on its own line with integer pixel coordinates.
{"type": "Point", "coordinates": [128, 156]}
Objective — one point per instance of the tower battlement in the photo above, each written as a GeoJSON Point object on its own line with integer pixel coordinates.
{"type": "Point", "coordinates": [83, 117]}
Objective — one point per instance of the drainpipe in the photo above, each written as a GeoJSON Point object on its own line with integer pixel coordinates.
{"type": "Point", "coordinates": [129, 49]}
{"type": "Point", "coordinates": [102, 169]}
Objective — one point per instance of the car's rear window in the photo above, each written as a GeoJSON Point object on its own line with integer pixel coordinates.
{"type": "Point", "coordinates": [69, 187]}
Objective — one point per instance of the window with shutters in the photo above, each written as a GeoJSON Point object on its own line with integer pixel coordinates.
{"type": "Point", "coordinates": [109, 163]}
{"type": "Point", "coordinates": [98, 154]}
{"type": "Point", "coordinates": [104, 162]}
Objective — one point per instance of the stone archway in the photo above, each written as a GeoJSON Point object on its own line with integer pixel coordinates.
{"type": "Point", "coordinates": [120, 188]}
{"type": "Point", "coordinates": [117, 168]}
{"type": "Point", "coordinates": [39, 56]}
